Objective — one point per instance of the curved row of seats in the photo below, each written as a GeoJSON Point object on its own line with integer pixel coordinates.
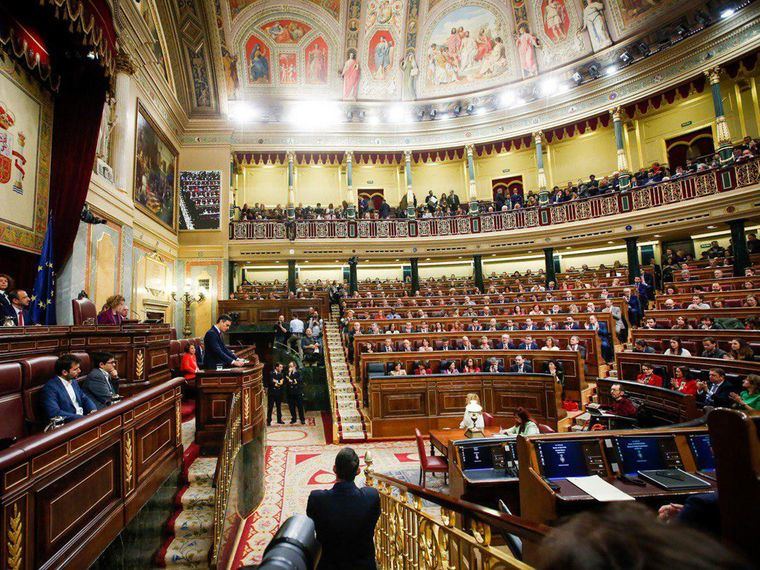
{"type": "Point", "coordinates": [20, 385]}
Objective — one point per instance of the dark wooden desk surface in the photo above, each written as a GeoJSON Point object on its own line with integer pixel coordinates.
{"type": "Point", "coordinates": [440, 438]}
{"type": "Point", "coordinates": [569, 492]}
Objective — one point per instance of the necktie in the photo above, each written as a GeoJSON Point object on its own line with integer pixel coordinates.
{"type": "Point", "coordinates": [20, 318]}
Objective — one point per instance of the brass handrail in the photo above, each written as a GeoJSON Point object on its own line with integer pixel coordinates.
{"type": "Point", "coordinates": [407, 536]}
{"type": "Point", "coordinates": [224, 468]}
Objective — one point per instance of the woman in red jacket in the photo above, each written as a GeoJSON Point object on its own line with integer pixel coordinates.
{"type": "Point", "coordinates": [681, 381]}
{"type": "Point", "coordinates": [648, 376]}
{"type": "Point", "coordinates": [189, 365]}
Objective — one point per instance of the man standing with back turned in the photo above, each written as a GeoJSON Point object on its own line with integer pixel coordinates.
{"type": "Point", "coordinates": [345, 518]}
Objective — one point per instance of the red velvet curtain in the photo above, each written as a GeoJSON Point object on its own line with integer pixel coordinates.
{"type": "Point", "coordinates": [78, 110]}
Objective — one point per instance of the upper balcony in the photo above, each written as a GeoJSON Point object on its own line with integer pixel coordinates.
{"type": "Point", "coordinates": [712, 186]}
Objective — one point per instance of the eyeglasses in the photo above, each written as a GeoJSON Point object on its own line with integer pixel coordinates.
{"type": "Point", "coordinates": [111, 362]}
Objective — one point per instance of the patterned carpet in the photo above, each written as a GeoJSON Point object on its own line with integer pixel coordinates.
{"type": "Point", "coordinates": [308, 466]}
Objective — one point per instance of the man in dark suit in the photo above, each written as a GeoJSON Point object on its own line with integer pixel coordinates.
{"type": "Point", "coordinates": [275, 389]}
{"type": "Point", "coordinates": [6, 286]}
{"type": "Point", "coordinates": [716, 392]}
{"type": "Point", "coordinates": [18, 310]}
{"type": "Point", "coordinates": [345, 518]}
{"type": "Point", "coordinates": [61, 396]}
{"type": "Point", "coordinates": [520, 366]}
{"type": "Point", "coordinates": [216, 351]}
{"type": "Point", "coordinates": [576, 346]}
{"type": "Point", "coordinates": [528, 344]}
{"type": "Point", "coordinates": [505, 343]}
{"type": "Point", "coordinates": [102, 383]}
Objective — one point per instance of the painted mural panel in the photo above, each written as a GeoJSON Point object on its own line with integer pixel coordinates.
{"type": "Point", "coordinates": [466, 45]}
{"type": "Point", "coordinates": [316, 60]}
{"type": "Point", "coordinates": [382, 54]}
{"type": "Point", "coordinates": [558, 39]}
{"type": "Point", "coordinates": [629, 16]}
{"type": "Point", "coordinates": [155, 171]}
{"type": "Point", "coordinates": [288, 68]}
{"type": "Point", "coordinates": [332, 6]}
{"type": "Point", "coordinates": [148, 12]}
{"type": "Point", "coordinates": [595, 24]}
{"type": "Point", "coordinates": [257, 57]}
{"type": "Point", "coordinates": [385, 13]}
{"type": "Point", "coordinates": [286, 31]}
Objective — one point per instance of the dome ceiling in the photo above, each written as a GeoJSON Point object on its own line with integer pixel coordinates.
{"type": "Point", "coordinates": [389, 50]}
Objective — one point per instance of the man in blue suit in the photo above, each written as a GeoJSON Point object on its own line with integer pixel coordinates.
{"type": "Point", "coordinates": [217, 352]}
{"type": "Point", "coordinates": [345, 518]}
{"type": "Point", "coordinates": [18, 308]}
{"type": "Point", "coordinates": [61, 395]}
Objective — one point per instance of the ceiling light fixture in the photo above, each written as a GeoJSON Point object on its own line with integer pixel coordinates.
{"type": "Point", "coordinates": [577, 78]}
{"type": "Point", "coordinates": [241, 112]}
{"type": "Point", "coordinates": [593, 71]}
{"type": "Point", "coordinates": [611, 70]}
{"type": "Point", "coordinates": [626, 57]}
{"type": "Point", "coordinates": [727, 13]}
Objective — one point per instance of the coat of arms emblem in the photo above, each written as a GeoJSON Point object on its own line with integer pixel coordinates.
{"type": "Point", "coordinates": [11, 151]}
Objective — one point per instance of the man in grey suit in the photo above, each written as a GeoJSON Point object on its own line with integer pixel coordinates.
{"type": "Point", "coordinates": [101, 385]}
{"type": "Point", "coordinates": [617, 315]}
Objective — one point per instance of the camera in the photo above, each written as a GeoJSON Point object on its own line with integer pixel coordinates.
{"type": "Point", "coordinates": [89, 218]}
{"type": "Point", "coordinates": [294, 547]}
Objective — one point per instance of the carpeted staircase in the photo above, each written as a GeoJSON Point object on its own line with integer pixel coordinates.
{"type": "Point", "coordinates": [347, 407]}
{"type": "Point", "coordinates": [189, 531]}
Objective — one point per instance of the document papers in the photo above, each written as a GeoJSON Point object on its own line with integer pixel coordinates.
{"type": "Point", "coordinates": [599, 489]}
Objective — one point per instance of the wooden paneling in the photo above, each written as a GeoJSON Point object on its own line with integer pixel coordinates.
{"type": "Point", "coordinates": [268, 310]}
{"type": "Point", "coordinates": [68, 493]}
{"type": "Point", "coordinates": [399, 404]}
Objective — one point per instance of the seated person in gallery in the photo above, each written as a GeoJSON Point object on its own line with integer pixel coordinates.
{"type": "Point", "coordinates": [648, 376]}
{"type": "Point", "coordinates": [111, 313]}
{"type": "Point", "coordinates": [101, 385]}
{"type": "Point", "coordinates": [61, 396]}
{"type": "Point", "coordinates": [451, 368]}
{"type": "Point", "coordinates": [189, 365]}
{"type": "Point", "coordinates": [398, 369]}
{"type": "Point", "coordinates": [217, 353]}
{"type": "Point", "coordinates": [494, 366]}
{"type": "Point", "coordinates": [466, 423]}
{"type": "Point", "coordinates": [524, 424]}
{"type": "Point", "coordinates": [621, 405]}
{"type": "Point", "coordinates": [521, 366]}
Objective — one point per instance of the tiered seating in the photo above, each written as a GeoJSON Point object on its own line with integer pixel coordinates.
{"type": "Point", "coordinates": [386, 323]}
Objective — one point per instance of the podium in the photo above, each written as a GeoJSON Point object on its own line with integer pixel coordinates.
{"type": "Point", "coordinates": [215, 389]}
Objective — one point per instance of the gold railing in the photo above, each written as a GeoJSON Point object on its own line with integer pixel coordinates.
{"type": "Point", "coordinates": [464, 535]}
{"type": "Point", "coordinates": [224, 468]}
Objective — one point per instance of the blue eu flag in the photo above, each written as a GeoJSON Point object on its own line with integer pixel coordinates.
{"type": "Point", "coordinates": [43, 299]}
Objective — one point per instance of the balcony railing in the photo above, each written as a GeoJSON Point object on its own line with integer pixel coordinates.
{"type": "Point", "coordinates": [697, 185]}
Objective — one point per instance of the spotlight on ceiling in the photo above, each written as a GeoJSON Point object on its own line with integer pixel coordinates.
{"type": "Point", "coordinates": [681, 32]}
{"type": "Point", "coordinates": [643, 48]}
{"type": "Point", "coordinates": [593, 71]}
{"type": "Point", "coordinates": [728, 12]}
{"type": "Point", "coordinates": [362, 115]}
{"type": "Point", "coordinates": [420, 114]}
{"type": "Point", "coordinates": [456, 110]}
{"type": "Point", "coordinates": [433, 114]}
{"type": "Point", "coordinates": [577, 78]}
{"type": "Point", "coordinates": [506, 99]}
{"type": "Point", "coordinates": [626, 58]}
{"type": "Point", "coordinates": [703, 18]}
{"type": "Point", "coordinates": [241, 112]}
{"type": "Point", "coordinates": [548, 87]}
{"type": "Point", "coordinates": [397, 114]}
{"type": "Point", "coordinates": [470, 109]}
{"type": "Point", "coordinates": [349, 115]}
{"type": "Point", "coordinates": [611, 70]}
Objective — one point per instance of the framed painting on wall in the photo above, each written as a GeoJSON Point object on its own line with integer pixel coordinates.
{"type": "Point", "coordinates": [154, 184]}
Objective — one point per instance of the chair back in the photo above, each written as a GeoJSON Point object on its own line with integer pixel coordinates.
{"type": "Point", "coordinates": [11, 401]}
{"type": "Point", "coordinates": [488, 419]}
{"type": "Point", "coordinates": [421, 448]}
{"type": "Point", "coordinates": [83, 310]}
{"type": "Point", "coordinates": [543, 428]}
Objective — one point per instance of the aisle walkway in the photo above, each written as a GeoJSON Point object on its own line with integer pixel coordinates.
{"type": "Point", "coordinates": [348, 415]}
{"type": "Point", "coordinates": [305, 466]}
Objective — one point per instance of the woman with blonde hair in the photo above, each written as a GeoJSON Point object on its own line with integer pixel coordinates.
{"type": "Point", "coordinates": [110, 314]}
{"type": "Point", "coordinates": [471, 398]}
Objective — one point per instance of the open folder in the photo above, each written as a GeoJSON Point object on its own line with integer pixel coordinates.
{"type": "Point", "coordinates": [600, 489]}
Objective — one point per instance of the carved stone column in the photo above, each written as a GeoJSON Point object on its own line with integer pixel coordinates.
{"type": "Point", "coordinates": [725, 146]}
{"type": "Point", "coordinates": [123, 133]}
{"type": "Point", "coordinates": [624, 178]}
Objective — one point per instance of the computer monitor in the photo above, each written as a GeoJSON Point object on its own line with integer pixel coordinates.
{"type": "Point", "coordinates": [640, 453]}
{"type": "Point", "coordinates": [701, 448]}
{"type": "Point", "coordinates": [477, 457]}
{"type": "Point", "coordinates": [561, 459]}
